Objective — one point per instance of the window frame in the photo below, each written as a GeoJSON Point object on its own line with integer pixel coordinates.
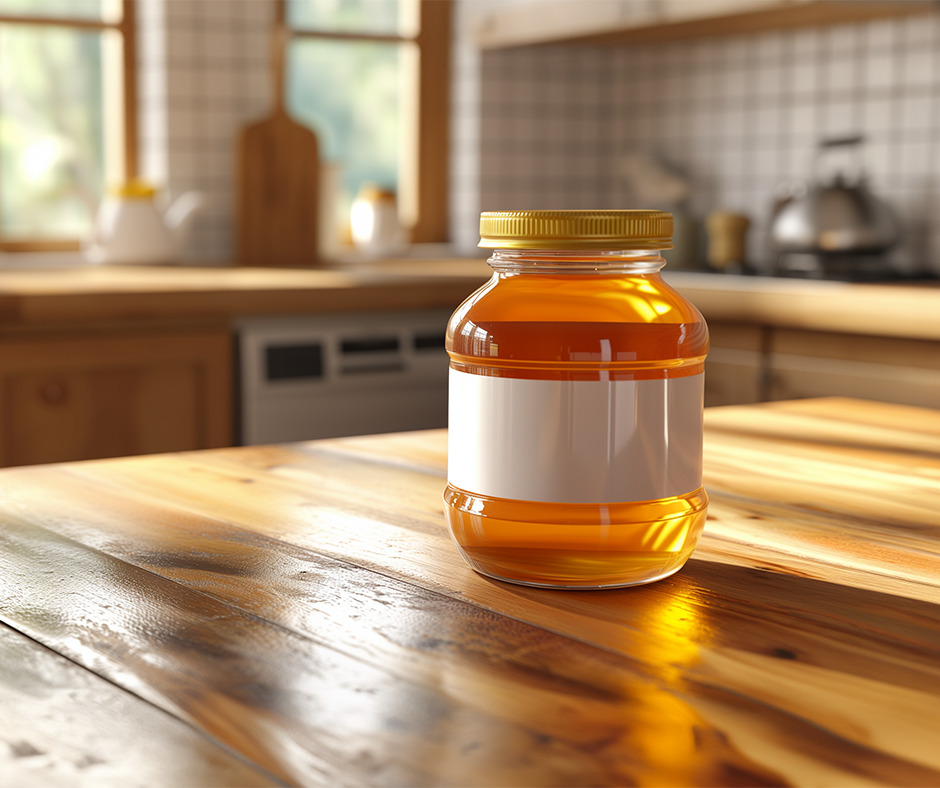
{"type": "Point", "coordinates": [126, 27]}
{"type": "Point", "coordinates": [428, 179]}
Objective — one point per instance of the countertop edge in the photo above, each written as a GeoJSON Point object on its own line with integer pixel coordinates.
{"type": "Point", "coordinates": [34, 300]}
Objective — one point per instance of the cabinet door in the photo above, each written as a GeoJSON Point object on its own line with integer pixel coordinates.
{"type": "Point", "coordinates": [814, 364]}
{"type": "Point", "coordinates": [734, 367]}
{"type": "Point", "coordinates": [64, 399]}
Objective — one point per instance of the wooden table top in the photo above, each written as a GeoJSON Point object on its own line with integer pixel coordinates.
{"type": "Point", "coordinates": [298, 615]}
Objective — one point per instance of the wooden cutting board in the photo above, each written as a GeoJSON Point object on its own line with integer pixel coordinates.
{"type": "Point", "coordinates": [277, 182]}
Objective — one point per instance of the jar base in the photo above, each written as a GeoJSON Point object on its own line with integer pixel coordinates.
{"type": "Point", "coordinates": [541, 569]}
{"type": "Point", "coordinates": [575, 546]}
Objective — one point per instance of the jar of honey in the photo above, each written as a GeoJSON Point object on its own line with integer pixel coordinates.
{"type": "Point", "coordinates": [575, 404]}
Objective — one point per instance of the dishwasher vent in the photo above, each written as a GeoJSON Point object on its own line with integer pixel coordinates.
{"type": "Point", "coordinates": [324, 376]}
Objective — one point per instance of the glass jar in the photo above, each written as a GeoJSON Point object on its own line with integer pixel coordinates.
{"type": "Point", "coordinates": [575, 404]}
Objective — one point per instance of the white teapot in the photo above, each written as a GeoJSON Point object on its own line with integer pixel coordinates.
{"type": "Point", "coordinates": [130, 229]}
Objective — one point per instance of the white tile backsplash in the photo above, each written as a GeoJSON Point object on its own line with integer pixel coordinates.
{"type": "Point", "coordinates": [741, 114]}
{"type": "Point", "coordinates": [880, 36]}
{"type": "Point", "coordinates": [213, 55]}
{"type": "Point", "coordinates": [841, 40]}
{"type": "Point", "coordinates": [919, 66]}
{"type": "Point", "coordinates": [882, 70]}
{"type": "Point", "coordinates": [917, 113]}
{"type": "Point", "coordinates": [547, 126]}
{"type": "Point", "coordinates": [841, 74]}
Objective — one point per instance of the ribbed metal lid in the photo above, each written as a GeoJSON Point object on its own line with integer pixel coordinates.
{"type": "Point", "coordinates": [612, 230]}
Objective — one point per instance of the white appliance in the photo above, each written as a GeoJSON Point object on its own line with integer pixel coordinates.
{"type": "Point", "coordinates": [327, 376]}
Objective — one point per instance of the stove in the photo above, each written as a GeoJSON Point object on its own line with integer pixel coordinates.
{"type": "Point", "coordinates": [839, 267]}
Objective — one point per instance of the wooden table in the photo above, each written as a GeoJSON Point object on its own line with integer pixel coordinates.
{"type": "Point", "coordinates": [297, 615]}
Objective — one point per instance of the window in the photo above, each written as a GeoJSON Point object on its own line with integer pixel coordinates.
{"type": "Point", "coordinates": [370, 77]}
{"type": "Point", "coordinates": [67, 125]}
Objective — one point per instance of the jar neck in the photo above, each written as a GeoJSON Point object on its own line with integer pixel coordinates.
{"type": "Point", "coordinates": [578, 261]}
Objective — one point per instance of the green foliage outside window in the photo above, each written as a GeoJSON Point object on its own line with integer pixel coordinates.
{"type": "Point", "coordinates": [51, 130]}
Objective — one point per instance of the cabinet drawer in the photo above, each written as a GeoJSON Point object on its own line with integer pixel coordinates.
{"type": "Point", "coordinates": [923, 353]}
{"type": "Point", "coordinates": [734, 367]}
{"type": "Point", "coordinates": [733, 377]}
{"type": "Point", "coordinates": [814, 364]}
{"type": "Point", "coordinates": [73, 399]}
{"type": "Point", "coordinates": [796, 377]}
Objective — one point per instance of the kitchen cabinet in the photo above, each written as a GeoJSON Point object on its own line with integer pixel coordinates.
{"type": "Point", "coordinates": [751, 363]}
{"type": "Point", "coordinates": [810, 363]}
{"type": "Point", "coordinates": [104, 361]}
{"type": "Point", "coordinates": [78, 396]}
{"type": "Point", "coordinates": [111, 360]}
{"type": "Point", "coordinates": [615, 22]}
{"type": "Point", "coordinates": [734, 370]}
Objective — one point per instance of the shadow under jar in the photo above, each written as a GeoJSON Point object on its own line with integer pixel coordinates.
{"type": "Point", "coordinates": [575, 404]}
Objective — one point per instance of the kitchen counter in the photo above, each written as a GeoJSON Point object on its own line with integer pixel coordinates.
{"type": "Point", "coordinates": [895, 309]}
{"type": "Point", "coordinates": [95, 295]}
{"type": "Point", "coordinates": [297, 614]}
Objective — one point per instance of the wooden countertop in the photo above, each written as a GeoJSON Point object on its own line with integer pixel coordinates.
{"type": "Point", "coordinates": [76, 296]}
{"type": "Point", "coordinates": [909, 310]}
{"type": "Point", "coordinates": [129, 293]}
{"type": "Point", "coordinates": [298, 615]}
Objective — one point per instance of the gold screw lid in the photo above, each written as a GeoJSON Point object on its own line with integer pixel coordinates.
{"type": "Point", "coordinates": [611, 230]}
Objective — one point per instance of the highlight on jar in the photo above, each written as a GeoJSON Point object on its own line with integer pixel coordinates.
{"type": "Point", "coordinates": [576, 396]}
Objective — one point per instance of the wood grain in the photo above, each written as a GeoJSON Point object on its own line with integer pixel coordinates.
{"type": "Point", "coordinates": [736, 364]}
{"type": "Point", "coordinates": [71, 398]}
{"type": "Point", "coordinates": [63, 725]}
{"type": "Point", "coordinates": [303, 606]}
{"type": "Point", "coordinates": [89, 297]}
{"type": "Point", "coordinates": [278, 182]}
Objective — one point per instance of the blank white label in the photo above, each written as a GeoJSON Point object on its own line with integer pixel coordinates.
{"type": "Point", "coordinates": [561, 441]}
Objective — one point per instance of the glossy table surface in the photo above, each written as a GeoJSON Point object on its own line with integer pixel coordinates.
{"type": "Point", "coordinates": [298, 615]}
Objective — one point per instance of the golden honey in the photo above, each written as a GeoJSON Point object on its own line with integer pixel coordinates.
{"type": "Point", "coordinates": [575, 424]}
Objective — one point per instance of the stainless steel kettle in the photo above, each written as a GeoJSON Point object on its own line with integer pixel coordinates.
{"type": "Point", "coordinates": [836, 215]}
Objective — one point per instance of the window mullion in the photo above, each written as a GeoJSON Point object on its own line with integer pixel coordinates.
{"type": "Point", "coordinates": [433, 122]}
{"type": "Point", "coordinates": [128, 28]}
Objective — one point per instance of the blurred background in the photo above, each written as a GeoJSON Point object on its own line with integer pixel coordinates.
{"type": "Point", "coordinates": [538, 104]}
{"type": "Point", "coordinates": [297, 184]}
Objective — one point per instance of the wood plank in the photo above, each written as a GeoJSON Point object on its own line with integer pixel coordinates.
{"type": "Point", "coordinates": [815, 654]}
{"type": "Point", "coordinates": [63, 725]}
{"type": "Point", "coordinates": [303, 604]}
{"type": "Point", "coordinates": [127, 530]}
{"type": "Point", "coordinates": [486, 658]}
{"type": "Point", "coordinates": [399, 514]}
{"type": "Point", "coordinates": [726, 472]}
{"type": "Point", "coordinates": [435, 691]}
